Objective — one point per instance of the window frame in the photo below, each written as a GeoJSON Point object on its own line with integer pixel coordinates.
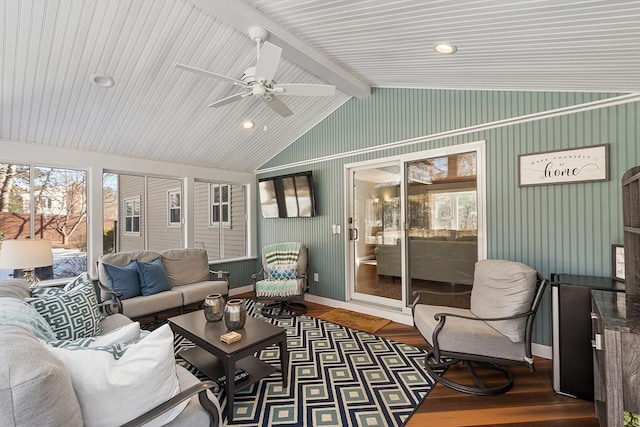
{"type": "Point", "coordinates": [220, 204]}
{"type": "Point", "coordinates": [135, 199]}
{"type": "Point", "coordinates": [170, 208]}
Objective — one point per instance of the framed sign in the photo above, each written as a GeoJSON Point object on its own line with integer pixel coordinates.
{"type": "Point", "coordinates": [564, 166]}
{"type": "Point", "coordinates": [617, 262]}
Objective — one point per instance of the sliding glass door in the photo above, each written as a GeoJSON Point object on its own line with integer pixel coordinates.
{"type": "Point", "coordinates": [415, 222]}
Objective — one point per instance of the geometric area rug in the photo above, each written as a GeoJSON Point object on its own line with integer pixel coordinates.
{"type": "Point", "coordinates": [337, 377]}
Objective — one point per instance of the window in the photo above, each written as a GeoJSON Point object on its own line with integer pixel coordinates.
{"type": "Point", "coordinates": [174, 203]}
{"type": "Point", "coordinates": [132, 216]}
{"type": "Point", "coordinates": [46, 203]}
{"type": "Point", "coordinates": [220, 205]}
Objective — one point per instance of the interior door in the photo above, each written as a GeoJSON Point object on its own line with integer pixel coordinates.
{"type": "Point", "coordinates": [375, 230]}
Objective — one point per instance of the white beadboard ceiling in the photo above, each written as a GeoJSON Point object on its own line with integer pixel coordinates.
{"type": "Point", "coordinates": [48, 50]}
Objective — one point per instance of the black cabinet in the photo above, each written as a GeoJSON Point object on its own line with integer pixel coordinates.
{"type": "Point", "coordinates": [572, 351]}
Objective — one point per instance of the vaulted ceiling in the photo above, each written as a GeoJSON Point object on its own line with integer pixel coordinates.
{"type": "Point", "coordinates": [49, 49]}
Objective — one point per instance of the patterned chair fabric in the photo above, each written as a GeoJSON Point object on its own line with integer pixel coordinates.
{"type": "Point", "coordinates": [285, 270]}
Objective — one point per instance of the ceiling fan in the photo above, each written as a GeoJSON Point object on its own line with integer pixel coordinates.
{"type": "Point", "coordinates": [258, 80]}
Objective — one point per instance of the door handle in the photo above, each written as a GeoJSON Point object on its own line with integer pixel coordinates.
{"type": "Point", "coordinates": [353, 234]}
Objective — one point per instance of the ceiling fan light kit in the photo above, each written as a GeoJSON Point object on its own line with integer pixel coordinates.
{"type": "Point", "coordinates": [258, 80]}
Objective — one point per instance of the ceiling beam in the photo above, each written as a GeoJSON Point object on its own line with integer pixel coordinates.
{"type": "Point", "coordinates": [242, 16]}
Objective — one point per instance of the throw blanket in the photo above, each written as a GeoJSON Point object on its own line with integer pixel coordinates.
{"type": "Point", "coordinates": [282, 253]}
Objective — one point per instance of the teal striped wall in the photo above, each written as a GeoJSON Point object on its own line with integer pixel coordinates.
{"type": "Point", "coordinates": [560, 228]}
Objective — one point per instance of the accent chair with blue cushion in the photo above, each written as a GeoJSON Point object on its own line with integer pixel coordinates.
{"type": "Point", "coordinates": [493, 333]}
{"type": "Point", "coordinates": [284, 280]}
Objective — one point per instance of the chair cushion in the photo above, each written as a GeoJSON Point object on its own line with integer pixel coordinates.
{"type": "Point", "coordinates": [35, 387]}
{"type": "Point", "coordinates": [124, 279]}
{"type": "Point", "coordinates": [185, 266]}
{"type": "Point", "coordinates": [72, 312]}
{"type": "Point", "coordinates": [503, 288]}
{"type": "Point", "coordinates": [117, 383]}
{"type": "Point", "coordinates": [279, 288]}
{"type": "Point", "coordinates": [141, 306]}
{"type": "Point", "coordinates": [153, 277]}
{"type": "Point", "coordinates": [466, 336]}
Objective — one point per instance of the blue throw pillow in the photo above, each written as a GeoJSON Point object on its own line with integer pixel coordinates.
{"type": "Point", "coordinates": [124, 279]}
{"type": "Point", "coordinates": [153, 277]}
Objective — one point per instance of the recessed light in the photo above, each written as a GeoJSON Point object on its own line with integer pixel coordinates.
{"type": "Point", "coordinates": [445, 48]}
{"type": "Point", "coordinates": [102, 80]}
{"type": "Point", "coordinates": [247, 124]}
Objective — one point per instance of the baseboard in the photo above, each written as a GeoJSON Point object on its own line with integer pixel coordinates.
{"type": "Point", "coordinates": [538, 350]}
{"type": "Point", "coordinates": [240, 290]}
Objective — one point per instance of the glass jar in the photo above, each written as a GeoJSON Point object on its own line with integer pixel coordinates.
{"type": "Point", "coordinates": [213, 307]}
{"type": "Point", "coordinates": [235, 314]}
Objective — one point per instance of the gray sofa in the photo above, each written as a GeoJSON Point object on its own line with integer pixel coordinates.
{"type": "Point", "coordinates": [188, 273]}
{"type": "Point", "coordinates": [437, 259]}
{"type": "Point", "coordinates": [36, 387]}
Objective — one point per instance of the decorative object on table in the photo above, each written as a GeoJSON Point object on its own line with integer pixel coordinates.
{"type": "Point", "coordinates": [564, 166]}
{"type": "Point", "coordinates": [213, 307]}
{"type": "Point", "coordinates": [617, 262]}
{"type": "Point", "coordinates": [235, 314]}
{"type": "Point", "coordinates": [230, 337]}
{"type": "Point", "coordinates": [238, 375]}
{"type": "Point", "coordinates": [26, 255]}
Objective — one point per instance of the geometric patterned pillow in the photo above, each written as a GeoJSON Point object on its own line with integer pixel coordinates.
{"type": "Point", "coordinates": [283, 271]}
{"type": "Point", "coordinates": [71, 312]}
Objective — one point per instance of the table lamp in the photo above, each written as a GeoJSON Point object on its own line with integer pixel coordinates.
{"type": "Point", "coordinates": [26, 255]}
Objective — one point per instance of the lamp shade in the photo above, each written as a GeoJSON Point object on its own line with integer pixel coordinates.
{"type": "Point", "coordinates": [22, 254]}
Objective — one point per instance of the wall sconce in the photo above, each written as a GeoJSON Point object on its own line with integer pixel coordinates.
{"type": "Point", "coordinates": [26, 255]}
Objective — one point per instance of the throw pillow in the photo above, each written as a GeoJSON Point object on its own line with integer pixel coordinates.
{"type": "Point", "coordinates": [153, 277]}
{"type": "Point", "coordinates": [283, 271]}
{"type": "Point", "coordinates": [124, 279]}
{"type": "Point", "coordinates": [71, 313]}
{"type": "Point", "coordinates": [18, 313]}
{"type": "Point", "coordinates": [126, 380]}
{"type": "Point", "coordinates": [123, 335]}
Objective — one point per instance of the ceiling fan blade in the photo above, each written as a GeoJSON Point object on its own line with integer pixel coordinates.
{"type": "Point", "coordinates": [277, 106]}
{"type": "Point", "coordinates": [268, 62]}
{"type": "Point", "coordinates": [229, 99]}
{"type": "Point", "coordinates": [304, 89]}
{"type": "Point", "coordinates": [209, 74]}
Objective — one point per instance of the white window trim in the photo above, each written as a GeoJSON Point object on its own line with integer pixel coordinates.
{"type": "Point", "coordinates": [126, 201]}
{"type": "Point", "coordinates": [169, 208]}
{"type": "Point", "coordinates": [216, 224]}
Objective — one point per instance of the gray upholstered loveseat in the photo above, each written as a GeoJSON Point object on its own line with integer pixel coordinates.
{"type": "Point", "coordinates": [187, 271]}
{"type": "Point", "coordinates": [38, 388]}
{"type": "Point", "coordinates": [437, 259]}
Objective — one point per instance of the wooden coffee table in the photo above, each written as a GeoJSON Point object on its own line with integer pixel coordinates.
{"type": "Point", "coordinates": [214, 358]}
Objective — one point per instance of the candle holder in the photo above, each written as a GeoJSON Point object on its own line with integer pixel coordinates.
{"type": "Point", "coordinates": [235, 314]}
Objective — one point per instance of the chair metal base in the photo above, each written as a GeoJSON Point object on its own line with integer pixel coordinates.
{"type": "Point", "coordinates": [283, 309]}
{"type": "Point", "coordinates": [431, 365]}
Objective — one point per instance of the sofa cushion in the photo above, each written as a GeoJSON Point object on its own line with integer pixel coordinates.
{"type": "Point", "coordinates": [185, 266]}
{"type": "Point", "coordinates": [141, 306]}
{"type": "Point", "coordinates": [197, 292]}
{"type": "Point", "coordinates": [125, 279]}
{"type": "Point", "coordinates": [153, 277]}
{"type": "Point", "coordinates": [503, 288]}
{"type": "Point", "coordinates": [35, 387]}
{"type": "Point", "coordinates": [71, 312]}
{"type": "Point", "coordinates": [14, 288]}
{"type": "Point", "coordinates": [16, 312]}
{"type": "Point", "coordinates": [115, 384]}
